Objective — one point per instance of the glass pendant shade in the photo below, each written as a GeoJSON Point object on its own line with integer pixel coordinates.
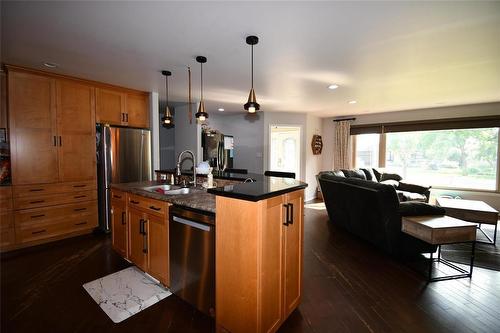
{"type": "Point", "coordinates": [251, 105]}
{"type": "Point", "coordinates": [168, 119]}
{"type": "Point", "coordinates": [201, 115]}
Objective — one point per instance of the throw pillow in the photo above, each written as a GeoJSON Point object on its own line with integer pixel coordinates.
{"type": "Point", "coordinates": [419, 208]}
{"type": "Point", "coordinates": [369, 174]}
{"type": "Point", "coordinates": [392, 182]}
{"type": "Point", "coordinates": [387, 176]}
{"type": "Point", "coordinates": [377, 174]}
{"type": "Point", "coordinates": [354, 174]}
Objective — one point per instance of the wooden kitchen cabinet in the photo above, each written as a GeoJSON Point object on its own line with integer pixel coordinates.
{"type": "Point", "coordinates": [33, 133]}
{"type": "Point", "coordinates": [138, 110]}
{"type": "Point", "coordinates": [111, 106]}
{"type": "Point", "coordinates": [147, 240]}
{"type": "Point", "coordinates": [119, 222]}
{"type": "Point", "coordinates": [137, 237]}
{"type": "Point", "coordinates": [120, 107]}
{"type": "Point", "coordinates": [259, 262]}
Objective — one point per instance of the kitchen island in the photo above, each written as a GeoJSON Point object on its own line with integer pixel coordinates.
{"type": "Point", "coordinates": [258, 243]}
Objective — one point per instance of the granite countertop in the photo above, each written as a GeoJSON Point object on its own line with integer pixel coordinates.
{"type": "Point", "coordinates": [198, 199]}
{"type": "Point", "coordinates": [219, 174]}
{"type": "Point", "coordinates": [265, 188]}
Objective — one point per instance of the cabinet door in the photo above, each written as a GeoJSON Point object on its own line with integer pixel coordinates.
{"type": "Point", "coordinates": [76, 131]}
{"type": "Point", "coordinates": [110, 106]}
{"type": "Point", "coordinates": [158, 248]}
{"type": "Point", "coordinates": [138, 110]}
{"type": "Point", "coordinates": [272, 265]}
{"type": "Point", "coordinates": [137, 240]}
{"type": "Point", "coordinates": [33, 128]}
{"type": "Point", "coordinates": [119, 227]}
{"type": "Point", "coordinates": [292, 251]}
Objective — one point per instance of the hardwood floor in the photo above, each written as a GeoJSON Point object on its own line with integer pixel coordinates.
{"type": "Point", "coordinates": [348, 287]}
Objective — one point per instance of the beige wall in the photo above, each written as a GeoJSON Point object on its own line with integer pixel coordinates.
{"type": "Point", "coordinates": [473, 110]}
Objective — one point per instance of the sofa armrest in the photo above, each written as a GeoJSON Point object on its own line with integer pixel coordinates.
{"type": "Point", "coordinates": [414, 208]}
{"type": "Point", "coordinates": [413, 188]}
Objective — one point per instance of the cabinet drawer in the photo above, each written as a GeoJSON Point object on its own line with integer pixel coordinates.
{"type": "Point", "coordinates": [42, 215]}
{"type": "Point", "coordinates": [27, 232]}
{"type": "Point", "coordinates": [118, 195]}
{"type": "Point", "coordinates": [54, 199]}
{"type": "Point", "coordinates": [150, 205]}
{"type": "Point", "coordinates": [6, 220]}
{"type": "Point", "coordinates": [5, 192]}
{"type": "Point", "coordinates": [42, 189]}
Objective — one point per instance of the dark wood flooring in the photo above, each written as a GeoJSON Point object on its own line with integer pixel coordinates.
{"type": "Point", "coordinates": [348, 287]}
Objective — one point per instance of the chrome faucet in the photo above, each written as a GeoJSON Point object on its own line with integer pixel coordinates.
{"type": "Point", "coordinates": [179, 161]}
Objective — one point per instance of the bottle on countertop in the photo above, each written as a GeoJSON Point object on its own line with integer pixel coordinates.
{"type": "Point", "coordinates": [210, 178]}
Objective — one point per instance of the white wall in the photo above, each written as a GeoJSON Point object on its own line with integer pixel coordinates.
{"type": "Point", "coordinates": [187, 136]}
{"type": "Point", "coordinates": [473, 110]}
{"type": "Point", "coordinates": [167, 144]}
{"type": "Point", "coordinates": [313, 162]}
{"type": "Point", "coordinates": [154, 125]}
{"type": "Point", "coordinates": [248, 133]}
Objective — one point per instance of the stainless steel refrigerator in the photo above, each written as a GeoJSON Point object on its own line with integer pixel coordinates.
{"type": "Point", "coordinates": [218, 149]}
{"type": "Point", "coordinates": [123, 156]}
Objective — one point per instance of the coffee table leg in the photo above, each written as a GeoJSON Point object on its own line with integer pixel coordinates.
{"type": "Point", "coordinates": [431, 261]}
{"type": "Point", "coordinates": [473, 253]}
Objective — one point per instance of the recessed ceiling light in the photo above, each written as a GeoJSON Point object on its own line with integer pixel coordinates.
{"type": "Point", "coordinates": [352, 102]}
{"type": "Point", "coordinates": [220, 109]}
{"type": "Point", "coordinates": [50, 64]}
{"type": "Point", "coordinates": [333, 86]}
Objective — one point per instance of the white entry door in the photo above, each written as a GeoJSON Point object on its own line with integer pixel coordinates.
{"type": "Point", "coordinates": [285, 149]}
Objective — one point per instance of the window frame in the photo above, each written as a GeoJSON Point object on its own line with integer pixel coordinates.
{"type": "Point", "coordinates": [428, 125]}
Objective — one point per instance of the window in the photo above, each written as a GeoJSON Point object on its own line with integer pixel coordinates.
{"type": "Point", "coordinates": [461, 158]}
{"type": "Point", "coordinates": [367, 151]}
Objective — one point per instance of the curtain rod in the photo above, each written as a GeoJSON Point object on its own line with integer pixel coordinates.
{"type": "Point", "coordinates": [343, 119]}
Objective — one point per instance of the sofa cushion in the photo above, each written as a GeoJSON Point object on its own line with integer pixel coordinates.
{"type": "Point", "coordinates": [338, 173]}
{"type": "Point", "coordinates": [354, 174]}
{"type": "Point", "coordinates": [369, 174]}
{"type": "Point", "coordinates": [419, 208]}
{"type": "Point", "coordinates": [387, 176]}
{"type": "Point", "coordinates": [410, 196]}
{"type": "Point", "coordinates": [377, 174]}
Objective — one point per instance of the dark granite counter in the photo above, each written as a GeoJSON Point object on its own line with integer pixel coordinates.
{"type": "Point", "coordinates": [197, 199]}
{"type": "Point", "coordinates": [218, 174]}
{"type": "Point", "coordinates": [266, 187]}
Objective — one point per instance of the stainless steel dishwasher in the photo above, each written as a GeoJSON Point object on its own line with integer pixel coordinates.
{"type": "Point", "coordinates": [192, 257]}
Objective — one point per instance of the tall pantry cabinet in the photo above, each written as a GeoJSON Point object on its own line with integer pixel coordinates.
{"type": "Point", "coordinates": [52, 133]}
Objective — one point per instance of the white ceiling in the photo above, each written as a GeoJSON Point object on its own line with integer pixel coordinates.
{"type": "Point", "coordinates": [386, 55]}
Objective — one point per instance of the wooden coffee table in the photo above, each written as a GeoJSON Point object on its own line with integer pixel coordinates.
{"type": "Point", "coordinates": [473, 211]}
{"type": "Point", "coordinates": [440, 230]}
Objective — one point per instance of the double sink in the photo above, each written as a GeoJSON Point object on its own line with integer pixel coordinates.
{"type": "Point", "coordinates": [168, 189]}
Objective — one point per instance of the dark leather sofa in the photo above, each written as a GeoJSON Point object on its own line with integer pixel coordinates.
{"type": "Point", "coordinates": [373, 212]}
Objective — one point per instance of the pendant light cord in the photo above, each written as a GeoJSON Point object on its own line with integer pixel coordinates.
{"type": "Point", "coordinates": [252, 66]}
{"type": "Point", "coordinates": [201, 65]}
{"type": "Point", "coordinates": [166, 87]}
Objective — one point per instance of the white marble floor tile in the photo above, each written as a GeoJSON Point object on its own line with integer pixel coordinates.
{"type": "Point", "coordinates": [125, 293]}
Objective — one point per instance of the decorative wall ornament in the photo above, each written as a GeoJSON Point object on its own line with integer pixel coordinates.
{"type": "Point", "coordinates": [317, 144]}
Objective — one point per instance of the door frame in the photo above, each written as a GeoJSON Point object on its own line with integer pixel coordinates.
{"type": "Point", "coordinates": [301, 147]}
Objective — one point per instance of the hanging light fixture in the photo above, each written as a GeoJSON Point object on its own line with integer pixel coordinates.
{"type": "Point", "coordinates": [201, 115]}
{"type": "Point", "coordinates": [252, 106]}
{"type": "Point", "coordinates": [167, 120]}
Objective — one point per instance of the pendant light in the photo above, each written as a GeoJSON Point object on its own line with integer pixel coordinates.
{"type": "Point", "coordinates": [201, 115]}
{"type": "Point", "coordinates": [252, 106]}
{"type": "Point", "coordinates": [167, 120]}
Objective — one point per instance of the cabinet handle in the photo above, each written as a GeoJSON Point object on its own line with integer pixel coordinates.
{"type": "Point", "coordinates": [134, 202]}
{"type": "Point", "coordinates": [36, 189]}
{"type": "Point", "coordinates": [154, 208]}
{"type": "Point", "coordinates": [37, 216]}
{"type": "Point", "coordinates": [38, 232]}
{"type": "Point", "coordinates": [55, 141]}
{"type": "Point", "coordinates": [79, 209]}
{"type": "Point", "coordinates": [141, 226]}
{"type": "Point", "coordinates": [81, 223]}
{"type": "Point", "coordinates": [126, 117]}
{"type": "Point", "coordinates": [37, 201]}
{"type": "Point", "coordinates": [82, 185]}
{"type": "Point", "coordinates": [123, 218]}
{"type": "Point", "coordinates": [60, 140]}
{"type": "Point", "coordinates": [286, 214]}
{"type": "Point", "coordinates": [79, 196]}
{"type": "Point", "coordinates": [290, 221]}
{"type": "Point", "coordinates": [144, 238]}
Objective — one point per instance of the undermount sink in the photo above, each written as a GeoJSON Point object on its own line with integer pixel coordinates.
{"type": "Point", "coordinates": [162, 189]}
{"type": "Point", "coordinates": [184, 190]}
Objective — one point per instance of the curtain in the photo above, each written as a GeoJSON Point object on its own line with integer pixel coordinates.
{"type": "Point", "coordinates": [342, 145]}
